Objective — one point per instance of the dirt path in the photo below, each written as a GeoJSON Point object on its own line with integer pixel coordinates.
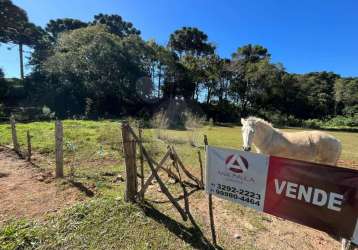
{"type": "Point", "coordinates": [270, 233]}
{"type": "Point", "coordinates": [28, 192]}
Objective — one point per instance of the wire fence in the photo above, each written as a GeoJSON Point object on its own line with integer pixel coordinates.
{"type": "Point", "coordinates": [90, 149]}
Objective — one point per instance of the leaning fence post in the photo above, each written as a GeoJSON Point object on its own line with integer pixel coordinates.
{"type": "Point", "coordinates": [210, 199]}
{"type": "Point", "coordinates": [59, 149]}
{"type": "Point", "coordinates": [28, 145]}
{"type": "Point", "coordinates": [130, 160]}
{"type": "Point", "coordinates": [14, 135]}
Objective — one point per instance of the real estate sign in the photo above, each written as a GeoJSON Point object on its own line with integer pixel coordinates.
{"type": "Point", "coordinates": [319, 196]}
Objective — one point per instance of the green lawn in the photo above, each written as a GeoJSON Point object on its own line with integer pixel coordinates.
{"type": "Point", "coordinates": [102, 223]}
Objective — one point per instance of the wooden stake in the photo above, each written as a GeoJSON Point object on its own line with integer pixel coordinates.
{"type": "Point", "coordinates": [14, 135]}
{"type": "Point", "coordinates": [134, 151]}
{"type": "Point", "coordinates": [201, 170]}
{"type": "Point", "coordinates": [205, 141]}
{"type": "Point", "coordinates": [59, 149]}
{"type": "Point", "coordinates": [212, 223]}
{"type": "Point", "coordinates": [131, 171]}
{"type": "Point", "coordinates": [210, 201]}
{"type": "Point", "coordinates": [141, 165]}
{"type": "Point", "coordinates": [28, 145]}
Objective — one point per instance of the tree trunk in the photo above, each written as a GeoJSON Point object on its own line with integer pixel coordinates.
{"type": "Point", "coordinates": [21, 61]}
{"type": "Point", "coordinates": [208, 96]}
{"type": "Point", "coordinates": [221, 91]}
{"type": "Point", "coordinates": [159, 79]}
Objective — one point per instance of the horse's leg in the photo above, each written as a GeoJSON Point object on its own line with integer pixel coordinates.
{"type": "Point", "coordinates": [327, 157]}
{"type": "Point", "coordinates": [346, 244]}
{"type": "Point", "coordinates": [327, 153]}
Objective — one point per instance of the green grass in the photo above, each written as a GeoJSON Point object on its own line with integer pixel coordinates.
{"type": "Point", "coordinates": [94, 149]}
{"type": "Point", "coordinates": [103, 223]}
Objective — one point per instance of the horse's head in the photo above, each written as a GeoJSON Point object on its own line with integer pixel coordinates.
{"type": "Point", "coordinates": [248, 132]}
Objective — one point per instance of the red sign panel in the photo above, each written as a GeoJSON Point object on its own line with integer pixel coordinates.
{"type": "Point", "coordinates": [319, 196]}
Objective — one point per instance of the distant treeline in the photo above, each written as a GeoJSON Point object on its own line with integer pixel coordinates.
{"type": "Point", "coordinates": [104, 68]}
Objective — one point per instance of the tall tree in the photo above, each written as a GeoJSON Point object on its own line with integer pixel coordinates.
{"type": "Point", "coordinates": [191, 45]}
{"type": "Point", "coordinates": [158, 60]}
{"type": "Point", "coordinates": [10, 17]}
{"type": "Point", "coordinates": [217, 78]}
{"type": "Point", "coordinates": [116, 25]}
{"type": "Point", "coordinates": [346, 96]}
{"type": "Point", "coordinates": [190, 41]}
{"type": "Point", "coordinates": [251, 53]}
{"type": "Point", "coordinates": [97, 71]}
{"type": "Point", "coordinates": [178, 82]}
{"type": "Point", "coordinates": [195, 67]}
{"type": "Point", "coordinates": [319, 89]}
{"type": "Point", "coordinates": [55, 27]}
{"type": "Point", "coordinates": [15, 28]}
{"type": "Point", "coordinates": [250, 69]}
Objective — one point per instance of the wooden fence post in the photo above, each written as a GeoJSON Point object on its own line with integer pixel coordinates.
{"type": "Point", "coordinates": [141, 164]}
{"type": "Point", "coordinates": [134, 152]}
{"type": "Point", "coordinates": [59, 149]}
{"type": "Point", "coordinates": [210, 200]}
{"type": "Point", "coordinates": [14, 135]}
{"type": "Point", "coordinates": [155, 174]}
{"type": "Point", "coordinates": [130, 161]}
{"type": "Point", "coordinates": [28, 145]}
{"type": "Point", "coordinates": [201, 170]}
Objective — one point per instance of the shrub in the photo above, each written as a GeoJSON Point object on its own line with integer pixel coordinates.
{"type": "Point", "coordinates": [193, 121]}
{"type": "Point", "coordinates": [46, 113]}
{"type": "Point", "coordinates": [160, 120]}
{"type": "Point", "coordinates": [280, 120]}
{"type": "Point", "coordinates": [335, 122]}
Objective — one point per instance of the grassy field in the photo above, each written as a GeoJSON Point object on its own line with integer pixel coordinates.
{"type": "Point", "coordinates": [93, 149]}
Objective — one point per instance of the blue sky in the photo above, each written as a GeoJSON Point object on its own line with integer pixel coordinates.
{"type": "Point", "coordinates": [303, 35]}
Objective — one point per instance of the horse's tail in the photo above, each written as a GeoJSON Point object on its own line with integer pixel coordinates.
{"type": "Point", "coordinates": [339, 150]}
{"type": "Point", "coordinates": [329, 149]}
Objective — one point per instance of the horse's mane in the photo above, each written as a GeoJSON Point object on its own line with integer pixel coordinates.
{"type": "Point", "coordinates": [256, 119]}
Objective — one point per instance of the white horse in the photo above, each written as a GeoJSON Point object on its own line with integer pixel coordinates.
{"type": "Point", "coordinates": [314, 146]}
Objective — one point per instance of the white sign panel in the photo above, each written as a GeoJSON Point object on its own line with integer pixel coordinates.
{"type": "Point", "coordinates": [237, 176]}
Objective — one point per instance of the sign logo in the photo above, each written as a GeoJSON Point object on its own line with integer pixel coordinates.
{"type": "Point", "coordinates": [236, 163]}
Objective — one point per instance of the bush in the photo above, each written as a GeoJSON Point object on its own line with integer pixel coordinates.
{"type": "Point", "coordinates": [335, 122]}
{"type": "Point", "coordinates": [160, 120]}
{"type": "Point", "coordinates": [193, 121]}
{"type": "Point", "coordinates": [280, 120]}
{"type": "Point", "coordinates": [46, 113]}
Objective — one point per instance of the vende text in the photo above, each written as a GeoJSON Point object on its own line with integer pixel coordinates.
{"type": "Point", "coordinates": [309, 194]}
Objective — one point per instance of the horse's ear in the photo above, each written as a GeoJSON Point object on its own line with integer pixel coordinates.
{"type": "Point", "coordinates": [243, 121]}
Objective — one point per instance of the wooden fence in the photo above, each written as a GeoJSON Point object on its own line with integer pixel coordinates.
{"type": "Point", "coordinates": [132, 194]}
{"type": "Point", "coordinates": [27, 155]}
{"type": "Point", "coordinates": [132, 142]}
{"type": "Point", "coordinates": [130, 139]}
